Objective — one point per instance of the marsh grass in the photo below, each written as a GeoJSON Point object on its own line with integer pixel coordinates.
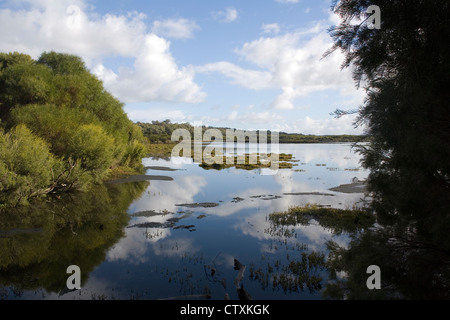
{"type": "Point", "coordinates": [160, 150]}
{"type": "Point", "coordinates": [337, 220]}
{"type": "Point", "coordinates": [285, 161]}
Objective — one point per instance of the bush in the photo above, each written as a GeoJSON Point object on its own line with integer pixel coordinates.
{"type": "Point", "coordinates": [134, 152]}
{"type": "Point", "coordinates": [70, 130]}
{"type": "Point", "coordinates": [26, 166]}
{"type": "Point", "coordinates": [93, 149]}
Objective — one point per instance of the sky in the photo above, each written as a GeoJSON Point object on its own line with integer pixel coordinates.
{"type": "Point", "coordinates": [253, 64]}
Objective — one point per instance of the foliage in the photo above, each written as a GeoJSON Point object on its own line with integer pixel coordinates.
{"type": "Point", "coordinates": [25, 166]}
{"type": "Point", "coordinates": [53, 124]}
{"type": "Point", "coordinates": [83, 126]}
{"type": "Point", "coordinates": [405, 68]}
{"type": "Point", "coordinates": [93, 148]}
{"type": "Point", "coordinates": [161, 132]}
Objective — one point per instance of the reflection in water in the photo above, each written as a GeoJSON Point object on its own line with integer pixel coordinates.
{"type": "Point", "coordinates": [304, 265]}
{"type": "Point", "coordinates": [37, 244]}
{"type": "Point", "coordinates": [161, 250]}
{"type": "Point", "coordinates": [413, 267]}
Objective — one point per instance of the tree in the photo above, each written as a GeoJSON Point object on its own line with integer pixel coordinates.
{"type": "Point", "coordinates": [63, 64]}
{"type": "Point", "coordinates": [405, 68]}
{"type": "Point", "coordinates": [22, 84]}
{"type": "Point", "coordinates": [8, 59]}
{"type": "Point", "coordinates": [60, 102]}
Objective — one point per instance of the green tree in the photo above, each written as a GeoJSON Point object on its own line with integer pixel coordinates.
{"type": "Point", "coordinates": [8, 59]}
{"type": "Point", "coordinates": [22, 84]}
{"type": "Point", "coordinates": [63, 64]}
{"type": "Point", "coordinates": [405, 69]}
{"type": "Point", "coordinates": [84, 127]}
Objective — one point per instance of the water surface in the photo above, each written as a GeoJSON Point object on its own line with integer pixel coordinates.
{"type": "Point", "coordinates": [180, 238]}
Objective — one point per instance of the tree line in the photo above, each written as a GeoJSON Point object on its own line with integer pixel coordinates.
{"type": "Point", "coordinates": [161, 132]}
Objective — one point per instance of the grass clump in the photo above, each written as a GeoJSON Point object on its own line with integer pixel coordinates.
{"type": "Point", "coordinates": [338, 220]}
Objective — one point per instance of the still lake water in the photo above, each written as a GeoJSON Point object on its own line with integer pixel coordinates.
{"type": "Point", "coordinates": [168, 249]}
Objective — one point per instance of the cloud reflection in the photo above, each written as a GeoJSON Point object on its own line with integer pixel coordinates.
{"type": "Point", "coordinates": [247, 200]}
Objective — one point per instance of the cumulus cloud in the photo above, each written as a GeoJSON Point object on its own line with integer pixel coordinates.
{"type": "Point", "coordinates": [292, 62]}
{"type": "Point", "coordinates": [251, 79]}
{"type": "Point", "coordinates": [65, 26]}
{"type": "Point", "coordinates": [68, 26]}
{"type": "Point", "coordinates": [296, 65]}
{"type": "Point", "coordinates": [155, 76]}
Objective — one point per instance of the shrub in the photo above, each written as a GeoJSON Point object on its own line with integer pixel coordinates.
{"type": "Point", "coordinates": [26, 166]}
{"type": "Point", "coordinates": [93, 148]}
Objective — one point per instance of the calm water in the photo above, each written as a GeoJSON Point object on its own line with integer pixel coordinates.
{"type": "Point", "coordinates": [141, 241]}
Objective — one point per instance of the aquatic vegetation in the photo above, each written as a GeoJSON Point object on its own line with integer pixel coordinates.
{"type": "Point", "coordinates": [298, 270]}
{"type": "Point", "coordinates": [245, 162]}
{"type": "Point", "coordinates": [199, 205]}
{"type": "Point", "coordinates": [337, 220]}
{"type": "Point", "coordinates": [251, 162]}
{"type": "Point", "coordinates": [160, 150]}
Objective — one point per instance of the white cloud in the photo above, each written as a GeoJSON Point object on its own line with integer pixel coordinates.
{"type": "Point", "coordinates": [155, 77]}
{"type": "Point", "coordinates": [67, 26]}
{"type": "Point", "coordinates": [233, 115]}
{"type": "Point", "coordinates": [252, 118]}
{"type": "Point", "coordinates": [229, 15]}
{"type": "Point", "coordinates": [64, 26]}
{"type": "Point", "coordinates": [252, 79]}
{"type": "Point", "coordinates": [178, 29]}
{"type": "Point", "coordinates": [308, 125]}
{"type": "Point", "coordinates": [156, 113]}
{"type": "Point", "coordinates": [262, 118]}
{"type": "Point", "coordinates": [271, 28]}
{"type": "Point", "coordinates": [293, 63]}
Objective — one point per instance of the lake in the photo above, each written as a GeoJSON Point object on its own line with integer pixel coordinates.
{"type": "Point", "coordinates": [182, 239]}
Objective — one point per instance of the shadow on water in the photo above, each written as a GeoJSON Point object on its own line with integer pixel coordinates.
{"type": "Point", "coordinates": [412, 266]}
{"type": "Point", "coordinates": [39, 243]}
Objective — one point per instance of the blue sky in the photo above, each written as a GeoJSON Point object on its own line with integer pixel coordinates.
{"type": "Point", "coordinates": [253, 64]}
